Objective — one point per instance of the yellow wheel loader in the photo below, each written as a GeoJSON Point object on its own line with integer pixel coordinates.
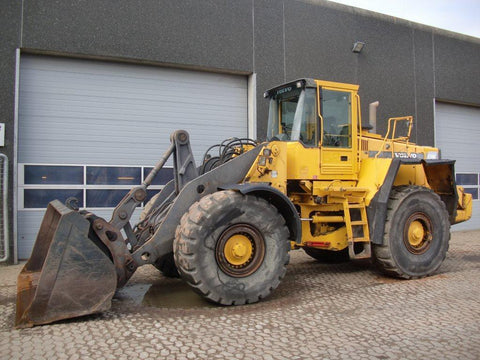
{"type": "Point", "coordinates": [323, 182]}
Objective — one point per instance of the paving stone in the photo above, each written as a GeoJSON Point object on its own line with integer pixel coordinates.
{"type": "Point", "coordinates": [319, 311]}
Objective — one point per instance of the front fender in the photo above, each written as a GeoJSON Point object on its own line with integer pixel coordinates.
{"type": "Point", "coordinates": [278, 199]}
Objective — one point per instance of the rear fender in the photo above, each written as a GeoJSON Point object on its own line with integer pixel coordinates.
{"type": "Point", "coordinates": [440, 176]}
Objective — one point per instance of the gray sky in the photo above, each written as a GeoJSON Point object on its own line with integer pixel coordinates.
{"type": "Point", "coordinates": [461, 16]}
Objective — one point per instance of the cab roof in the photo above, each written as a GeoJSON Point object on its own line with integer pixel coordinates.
{"type": "Point", "coordinates": [311, 83]}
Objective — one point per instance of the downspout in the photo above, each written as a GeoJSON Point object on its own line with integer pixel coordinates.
{"type": "Point", "coordinates": [5, 208]}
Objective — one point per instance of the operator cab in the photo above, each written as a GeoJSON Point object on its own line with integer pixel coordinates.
{"type": "Point", "coordinates": [312, 112]}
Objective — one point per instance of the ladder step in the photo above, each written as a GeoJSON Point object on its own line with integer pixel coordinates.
{"type": "Point", "coordinates": [359, 223]}
{"type": "Point", "coordinates": [366, 253]}
{"type": "Point", "coordinates": [363, 222]}
{"type": "Point", "coordinates": [356, 206]}
{"type": "Point", "coordinates": [359, 239]}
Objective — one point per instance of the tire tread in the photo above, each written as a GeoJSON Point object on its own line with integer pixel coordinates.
{"type": "Point", "coordinates": [383, 253]}
{"type": "Point", "coordinates": [192, 226]}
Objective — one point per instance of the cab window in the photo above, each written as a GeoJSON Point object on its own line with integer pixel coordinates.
{"type": "Point", "coordinates": [337, 118]}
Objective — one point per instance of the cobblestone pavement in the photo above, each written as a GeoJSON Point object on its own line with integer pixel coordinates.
{"type": "Point", "coordinates": [346, 311]}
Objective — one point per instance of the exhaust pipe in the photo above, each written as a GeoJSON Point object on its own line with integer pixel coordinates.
{"type": "Point", "coordinates": [372, 115]}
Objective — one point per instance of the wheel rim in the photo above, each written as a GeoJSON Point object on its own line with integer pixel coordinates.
{"type": "Point", "coordinates": [417, 234]}
{"type": "Point", "coordinates": [240, 250]}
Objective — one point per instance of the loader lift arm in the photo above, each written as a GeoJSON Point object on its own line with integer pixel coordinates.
{"type": "Point", "coordinates": [110, 232]}
{"type": "Point", "coordinates": [161, 242]}
{"type": "Point", "coordinates": [184, 171]}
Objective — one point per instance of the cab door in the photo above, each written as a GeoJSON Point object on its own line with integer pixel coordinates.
{"type": "Point", "coordinates": [339, 131]}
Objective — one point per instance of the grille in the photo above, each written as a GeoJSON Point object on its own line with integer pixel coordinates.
{"type": "Point", "coordinates": [364, 145]}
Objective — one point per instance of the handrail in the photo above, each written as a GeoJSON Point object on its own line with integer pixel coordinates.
{"type": "Point", "coordinates": [5, 209]}
{"type": "Point", "coordinates": [359, 130]}
{"type": "Point", "coordinates": [393, 138]}
{"type": "Point", "coordinates": [319, 111]}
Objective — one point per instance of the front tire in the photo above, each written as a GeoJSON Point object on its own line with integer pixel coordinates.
{"type": "Point", "coordinates": [417, 233]}
{"type": "Point", "coordinates": [231, 248]}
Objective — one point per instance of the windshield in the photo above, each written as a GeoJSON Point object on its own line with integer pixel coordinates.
{"type": "Point", "coordinates": [292, 116]}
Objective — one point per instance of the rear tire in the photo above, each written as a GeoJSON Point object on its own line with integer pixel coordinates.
{"type": "Point", "coordinates": [417, 233]}
{"type": "Point", "coordinates": [232, 249]}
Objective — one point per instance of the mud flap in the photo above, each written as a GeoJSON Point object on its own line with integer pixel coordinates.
{"type": "Point", "coordinates": [67, 275]}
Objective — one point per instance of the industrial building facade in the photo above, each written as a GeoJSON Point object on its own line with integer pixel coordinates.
{"type": "Point", "coordinates": [91, 90]}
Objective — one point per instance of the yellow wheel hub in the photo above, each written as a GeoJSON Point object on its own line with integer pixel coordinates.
{"type": "Point", "coordinates": [416, 233]}
{"type": "Point", "coordinates": [238, 250]}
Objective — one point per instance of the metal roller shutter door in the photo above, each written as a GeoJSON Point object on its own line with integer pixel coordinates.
{"type": "Point", "coordinates": [82, 112]}
{"type": "Point", "coordinates": [457, 130]}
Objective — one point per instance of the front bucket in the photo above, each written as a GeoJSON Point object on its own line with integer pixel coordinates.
{"type": "Point", "coordinates": [67, 275]}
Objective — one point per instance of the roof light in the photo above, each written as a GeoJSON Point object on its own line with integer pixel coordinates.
{"type": "Point", "coordinates": [432, 155]}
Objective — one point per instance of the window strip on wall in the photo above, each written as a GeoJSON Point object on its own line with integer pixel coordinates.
{"type": "Point", "coordinates": [95, 186]}
{"type": "Point", "coordinates": [470, 182]}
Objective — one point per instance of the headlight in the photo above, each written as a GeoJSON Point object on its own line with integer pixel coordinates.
{"type": "Point", "coordinates": [262, 161]}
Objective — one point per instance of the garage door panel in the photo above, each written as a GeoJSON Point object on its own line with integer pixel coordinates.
{"type": "Point", "coordinates": [211, 100]}
{"type": "Point", "coordinates": [457, 130]}
{"type": "Point", "coordinates": [204, 88]}
{"type": "Point", "coordinates": [112, 105]}
{"type": "Point", "coordinates": [42, 106]}
{"type": "Point", "coordinates": [82, 112]}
